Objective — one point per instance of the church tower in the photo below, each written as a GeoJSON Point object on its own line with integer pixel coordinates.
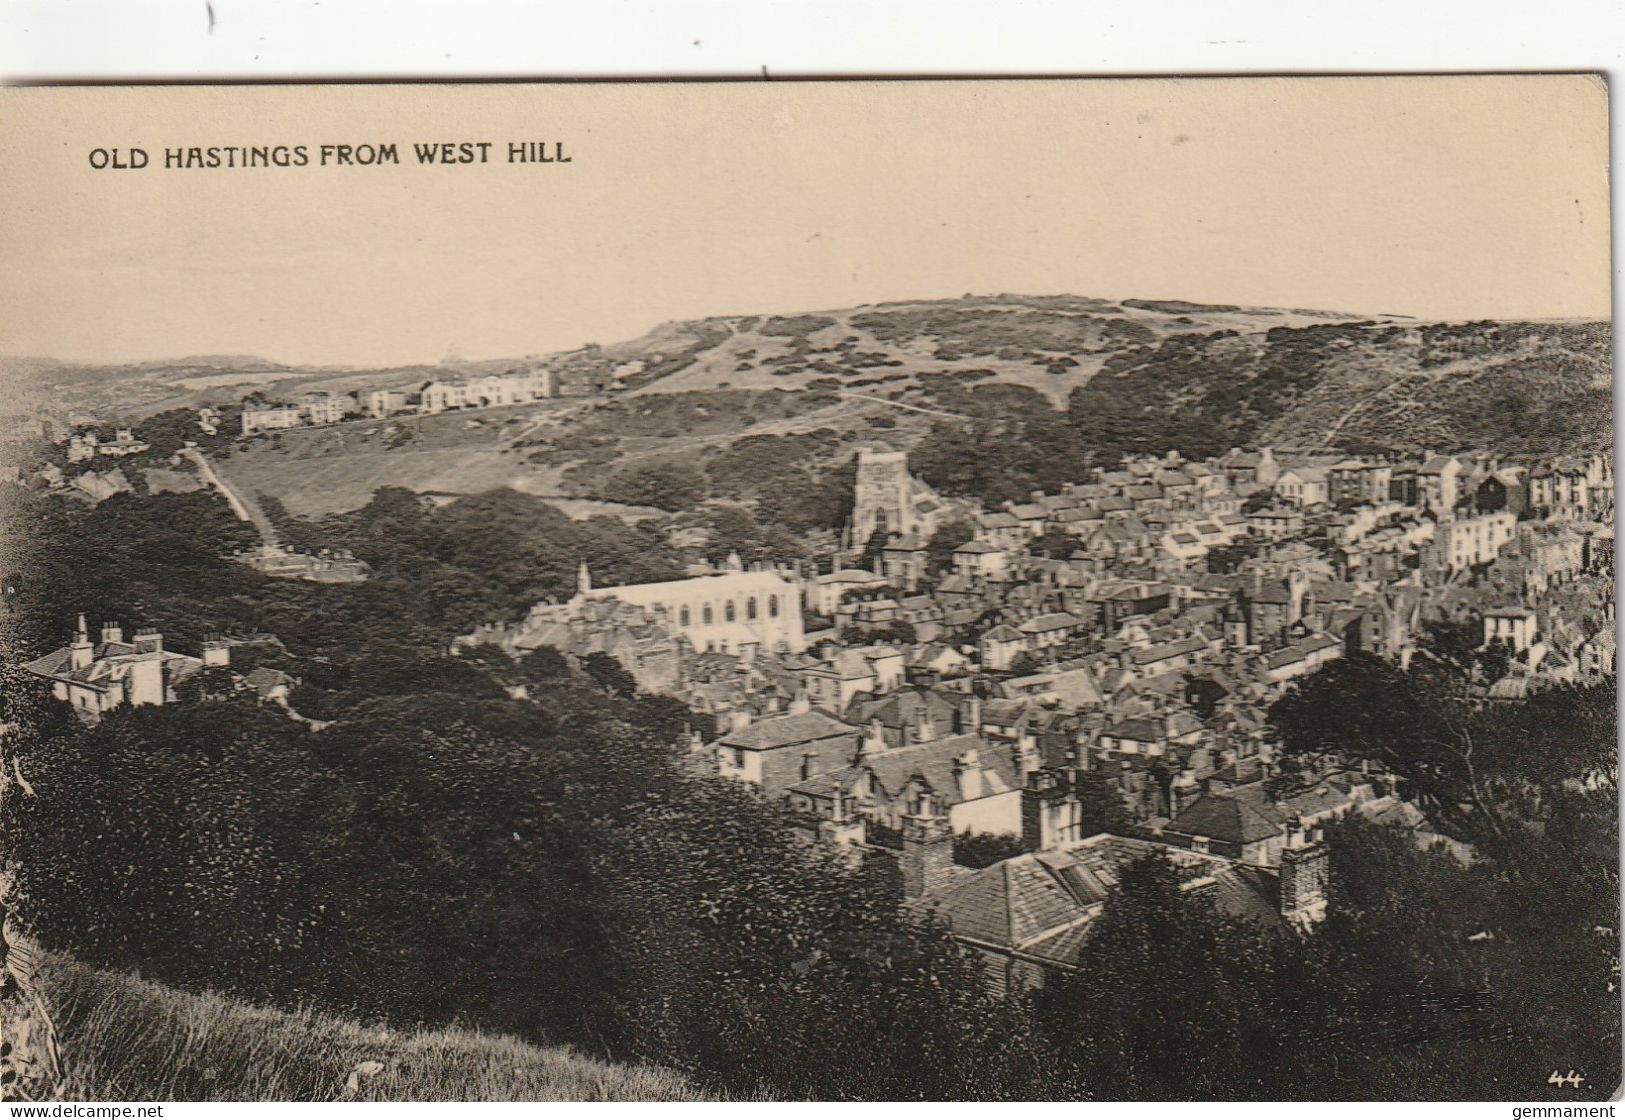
{"type": "Point", "coordinates": [889, 500]}
{"type": "Point", "coordinates": [880, 501]}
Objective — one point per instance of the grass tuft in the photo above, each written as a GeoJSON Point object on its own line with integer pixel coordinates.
{"type": "Point", "coordinates": [127, 1039]}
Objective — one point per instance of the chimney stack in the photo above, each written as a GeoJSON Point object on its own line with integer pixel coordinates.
{"type": "Point", "coordinates": [1305, 875]}
{"type": "Point", "coordinates": [81, 652]}
{"type": "Point", "coordinates": [1043, 800]}
{"type": "Point", "coordinates": [968, 774]}
{"type": "Point", "coordinates": [973, 716]}
{"type": "Point", "coordinates": [1026, 754]}
{"type": "Point", "coordinates": [843, 829]}
{"type": "Point", "coordinates": [927, 862]}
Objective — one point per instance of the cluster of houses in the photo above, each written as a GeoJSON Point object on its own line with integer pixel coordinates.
{"type": "Point", "coordinates": [1123, 639]}
{"type": "Point", "coordinates": [1131, 632]}
{"type": "Point", "coordinates": [522, 385]}
{"type": "Point", "coordinates": [85, 446]}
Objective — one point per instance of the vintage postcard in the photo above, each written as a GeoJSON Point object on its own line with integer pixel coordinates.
{"type": "Point", "coordinates": [919, 590]}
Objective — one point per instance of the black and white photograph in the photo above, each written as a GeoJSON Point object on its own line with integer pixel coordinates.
{"type": "Point", "coordinates": [873, 590]}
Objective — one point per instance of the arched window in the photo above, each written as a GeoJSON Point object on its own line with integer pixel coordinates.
{"type": "Point", "coordinates": [728, 611]}
{"type": "Point", "coordinates": [773, 606]}
{"type": "Point", "coordinates": [706, 615]}
{"type": "Point", "coordinates": [750, 609]}
{"type": "Point", "coordinates": [683, 617]}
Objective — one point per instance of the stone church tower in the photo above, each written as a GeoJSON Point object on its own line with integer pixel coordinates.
{"type": "Point", "coordinates": [882, 500]}
{"type": "Point", "coordinates": [889, 500]}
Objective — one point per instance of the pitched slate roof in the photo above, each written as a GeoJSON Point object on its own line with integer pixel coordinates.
{"type": "Point", "coordinates": [1168, 650]}
{"type": "Point", "coordinates": [1010, 904]}
{"type": "Point", "coordinates": [902, 710]}
{"type": "Point", "coordinates": [932, 762]}
{"type": "Point", "coordinates": [1009, 712]}
{"type": "Point", "coordinates": [110, 661]}
{"type": "Point", "coordinates": [1076, 687]}
{"type": "Point", "coordinates": [1301, 650]}
{"type": "Point", "coordinates": [850, 575]}
{"type": "Point", "coordinates": [1139, 730]}
{"type": "Point", "coordinates": [786, 730]}
{"type": "Point", "coordinates": [1043, 903]}
{"type": "Point", "coordinates": [1044, 623]}
{"type": "Point", "coordinates": [1323, 798]}
{"type": "Point", "coordinates": [1275, 592]}
{"type": "Point", "coordinates": [1226, 817]}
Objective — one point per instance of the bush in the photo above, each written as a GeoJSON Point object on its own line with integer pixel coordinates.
{"type": "Point", "coordinates": [984, 849]}
{"type": "Point", "coordinates": [673, 487]}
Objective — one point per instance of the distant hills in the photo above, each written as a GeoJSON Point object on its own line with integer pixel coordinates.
{"type": "Point", "coordinates": [1126, 375]}
{"type": "Point", "coordinates": [1246, 374]}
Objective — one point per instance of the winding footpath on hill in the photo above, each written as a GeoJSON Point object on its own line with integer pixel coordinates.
{"type": "Point", "coordinates": [244, 506]}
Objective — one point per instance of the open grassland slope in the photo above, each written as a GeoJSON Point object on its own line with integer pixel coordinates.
{"type": "Point", "coordinates": [727, 405]}
{"type": "Point", "coordinates": [126, 1039]}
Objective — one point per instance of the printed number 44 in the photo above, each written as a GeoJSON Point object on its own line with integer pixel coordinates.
{"type": "Point", "coordinates": [1570, 1078]}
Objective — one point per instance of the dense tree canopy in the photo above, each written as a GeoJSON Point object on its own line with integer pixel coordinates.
{"type": "Point", "coordinates": [552, 866]}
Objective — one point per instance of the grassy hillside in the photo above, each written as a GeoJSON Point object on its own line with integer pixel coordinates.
{"type": "Point", "coordinates": [1512, 386]}
{"type": "Point", "coordinates": [784, 397]}
{"type": "Point", "coordinates": [129, 1039]}
{"type": "Point", "coordinates": [1051, 344]}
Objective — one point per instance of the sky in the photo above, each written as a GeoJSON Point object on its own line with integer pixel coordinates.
{"type": "Point", "coordinates": [1448, 198]}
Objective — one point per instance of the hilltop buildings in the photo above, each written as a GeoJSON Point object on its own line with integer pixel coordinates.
{"type": "Point", "coordinates": [516, 386]}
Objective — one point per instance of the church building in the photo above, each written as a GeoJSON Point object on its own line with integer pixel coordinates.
{"type": "Point", "coordinates": [731, 611]}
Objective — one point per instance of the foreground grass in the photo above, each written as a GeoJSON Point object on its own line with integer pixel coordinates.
{"type": "Point", "coordinates": [131, 1040]}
